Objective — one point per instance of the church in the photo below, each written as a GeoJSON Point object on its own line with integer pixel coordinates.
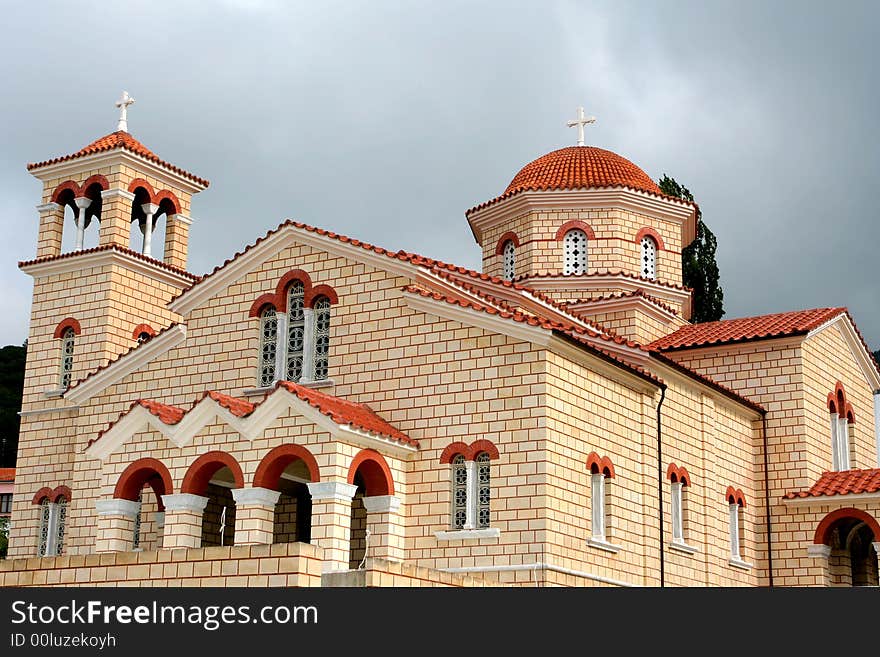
{"type": "Point", "coordinates": [320, 411]}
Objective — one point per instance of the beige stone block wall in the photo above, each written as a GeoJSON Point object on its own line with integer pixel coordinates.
{"type": "Point", "coordinates": [285, 564]}
{"type": "Point", "coordinates": [381, 572]}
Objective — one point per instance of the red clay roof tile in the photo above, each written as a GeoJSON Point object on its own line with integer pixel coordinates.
{"type": "Point", "coordinates": [125, 141]}
{"type": "Point", "coordinates": [844, 482]}
{"type": "Point", "coordinates": [238, 407]}
{"type": "Point", "coordinates": [112, 247]}
{"type": "Point", "coordinates": [7, 474]}
{"type": "Point", "coordinates": [167, 414]}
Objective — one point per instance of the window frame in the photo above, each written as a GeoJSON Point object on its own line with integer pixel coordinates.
{"type": "Point", "coordinates": [648, 258]}
{"type": "Point", "coordinates": [68, 350]}
{"type": "Point", "coordinates": [508, 262]}
{"type": "Point", "coordinates": [574, 264]}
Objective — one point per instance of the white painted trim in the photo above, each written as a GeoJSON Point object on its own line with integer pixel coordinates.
{"type": "Point", "coordinates": [585, 199]}
{"type": "Point", "coordinates": [313, 385]}
{"type": "Point", "coordinates": [876, 545]}
{"type": "Point", "coordinates": [536, 567]}
{"type": "Point", "coordinates": [116, 191]}
{"type": "Point", "coordinates": [877, 428]}
{"type": "Point", "coordinates": [131, 362]}
{"type": "Point", "coordinates": [256, 496]}
{"type": "Point", "coordinates": [822, 551]}
{"type": "Point", "coordinates": [331, 490]}
{"type": "Point", "coordinates": [604, 281]}
{"type": "Point", "coordinates": [180, 218]}
{"type": "Point", "coordinates": [117, 507]}
{"type": "Point", "coordinates": [96, 161]}
{"type": "Point", "coordinates": [832, 500]}
{"type": "Point", "coordinates": [648, 307]}
{"type": "Point", "coordinates": [184, 502]}
{"type": "Point", "coordinates": [52, 394]}
{"type": "Point", "coordinates": [47, 411]}
{"type": "Point", "coordinates": [684, 548]}
{"type": "Point", "coordinates": [254, 392]}
{"type": "Point", "coordinates": [381, 504]}
{"type": "Point", "coordinates": [106, 258]}
{"type": "Point", "coordinates": [593, 362]}
{"type": "Point", "coordinates": [49, 207]}
{"type": "Point", "coordinates": [739, 563]}
{"type": "Point", "coordinates": [468, 534]}
{"type": "Point", "coordinates": [600, 544]}
{"type": "Point", "coordinates": [857, 349]}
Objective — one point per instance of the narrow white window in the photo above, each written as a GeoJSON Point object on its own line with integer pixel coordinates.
{"type": "Point", "coordinates": [295, 331]}
{"type": "Point", "coordinates": [459, 492]}
{"type": "Point", "coordinates": [597, 492]}
{"type": "Point", "coordinates": [67, 341]}
{"type": "Point", "coordinates": [322, 338]}
{"type": "Point", "coordinates": [835, 442]}
{"type": "Point", "coordinates": [735, 533]}
{"type": "Point", "coordinates": [268, 345]}
{"type": "Point", "coordinates": [677, 512]}
{"type": "Point", "coordinates": [43, 537]}
{"type": "Point", "coordinates": [483, 490]}
{"type": "Point", "coordinates": [509, 254]}
{"type": "Point", "coordinates": [574, 246]}
{"type": "Point", "coordinates": [843, 443]}
{"type": "Point", "coordinates": [60, 525]}
{"type": "Point", "coordinates": [649, 257]}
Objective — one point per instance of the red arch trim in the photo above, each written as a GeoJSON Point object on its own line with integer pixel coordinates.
{"type": "Point", "coordinates": [454, 449]}
{"type": "Point", "coordinates": [676, 474]}
{"type": "Point", "coordinates": [140, 472]}
{"type": "Point", "coordinates": [569, 225]}
{"type": "Point", "coordinates": [203, 468]}
{"type": "Point", "coordinates": [165, 195]}
{"type": "Point", "coordinates": [273, 464]}
{"type": "Point", "coordinates": [44, 493]}
{"type": "Point", "coordinates": [320, 291]}
{"type": "Point", "coordinates": [597, 464]}
{"type": "Point", "coordinates": [850, 413]}
{"type": "Point", "coordinates": [650, 232]}
{"type": "Point", "coordinates": [509, 236]}
{"type": "Point", "coordinates": [735, 496]}
{"type": "Point", "coordinates": [479, 446]}
{"type": "Point", "coordinates": [140, 182]}
{"type": "Point", "coordinates": [97, 179]}
{"type": "Point", "coordinates": [262, 301]}
{"type": "Point", "coordinates": [63, 187]}
{"type": "Point", "coordinates": [61, 491]}
{"type": "Point", "coordinates": [142, 328]}
{"type": "Point", "coordinates": [65, 324]}
{"type": "Point", "coordinates": [376, 473]}
{"type": "Point", "coordinates": [285, 281]}
{"type": "Point", "coordinates": [823, 531]}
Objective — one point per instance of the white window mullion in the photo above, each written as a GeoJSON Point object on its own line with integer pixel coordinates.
{"type": "Point", "coordinates": [472, 496]}
{"type": "Point", "coordinates": [843, 442]}
{"type": "Point", "coordinates": [308, 367]}
{"type": "Point", "coordinates": [281, 347]}
{"type": "Point", "coordinates": [835, 443]}
{"type": "Point", "coordinates": [597, 486]}
{"type": "Point", "coordinates": [677, 525]}
{"type": "Point", "coordinates": [734, 531]}
{"type": "Point", "coordinates": [52, 528]}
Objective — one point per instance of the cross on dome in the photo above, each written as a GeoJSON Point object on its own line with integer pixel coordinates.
{"type": "Point", "coordinates": [123, 104]}
{"type": "Point", "coordinates": [580, 122]}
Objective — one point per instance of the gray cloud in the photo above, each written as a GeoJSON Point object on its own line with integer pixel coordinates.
{"type": "Point", "coordinates": [386, 121]}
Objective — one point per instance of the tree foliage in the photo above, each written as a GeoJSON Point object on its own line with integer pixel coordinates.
{"type": "Point", "coordinates": [12, 359]}
{"type": "Point", "coordinates": [699, 268]}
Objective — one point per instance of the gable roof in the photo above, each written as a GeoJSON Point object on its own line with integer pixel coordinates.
{"type": "Point", "coordinates": [844, 482]}
{"type": "Point", "coordinates": [124, 141]}
{"type": "Point", "coordinates": [745, 329]}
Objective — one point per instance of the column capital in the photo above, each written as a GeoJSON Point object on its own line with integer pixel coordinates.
{"type": "Point", "coordinates": [117, 507]}
{"type": "Point", "coordinates": [256, 497]}
{"type": "Point", "coordinates": [149, 208]}
{"type": "Point", "coordinates": [115, 191]}
{"type": "Point", "coordinates": [331, 490]}
{"type": "Point", "coordinates": [49, 207]}
{"type": "Point", "coordinates": [877, 548]}
{"type": "Point", "coordinates": [823, 551]}
{"type": "Point", "coordinates": [381, 504]}
{"type": "Point", "coordinates": [82, 202]}
{"type": "Point", "coordinates": [184, 502]}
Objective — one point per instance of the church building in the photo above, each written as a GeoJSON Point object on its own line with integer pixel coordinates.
{"type": "Point", "coordinates": [320, 411]}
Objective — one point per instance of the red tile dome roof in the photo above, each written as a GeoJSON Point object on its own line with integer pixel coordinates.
{"type": "Point", "coordinates": [580, 167]}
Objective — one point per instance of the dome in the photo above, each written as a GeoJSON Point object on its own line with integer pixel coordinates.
{"type": "Point", "coordinates": [580, 167]}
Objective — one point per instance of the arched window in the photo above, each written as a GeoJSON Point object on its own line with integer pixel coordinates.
{"type": "Point", "coordinates": [574, 247]}
{"type": "Point", "coordinates": [322, 337]}
{"type": "Point", "coordinates": [737, 503]}
{"type": "Point", "coordinates": [679, 484]}
{"type": "Point", "coordinates": [68, 338]}
{"type": "Point", "coordinates": [295, 331]}
{"type": "Point", "coordinates": [459, 492]}
{"type": "Point", "coordinates": [484, 489]}
{"type": "Point", "coordinates": [509, 255]}
{"type": "Point", "coordinates": [43, 538]}
{"type": "Point", "coordinates": [53, 523]}
{"type": "Point", "coordinates": [60, 523]}
{"type": "Point", "coordinates": [649, 257]}
{"type": "Point", "coordinates": [842, 417]}
{"type": "Point", "coordinates": [268, 345]}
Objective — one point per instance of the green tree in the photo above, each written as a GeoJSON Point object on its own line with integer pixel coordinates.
{"type": "Point", "coordinates": [877, 355]}
{"type": "Point", "coordinates": [12, 359]}
{"type": "Point", "coordinates": [4, 536]}
{"type": "Point", "coordinates": [699, 268]}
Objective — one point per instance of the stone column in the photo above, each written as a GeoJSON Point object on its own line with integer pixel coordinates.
{"type": "Point", "coordinates": [254, 515]}
{"type": "Point", "coordinates": [116, 519]}
{"type": "Point", "coordinates": [149, 209]}
{"type": "Point", "coordinates": [822, 555]}
{"type": "Point", "coordinates": [331, 521]}
{"type": "Point", "coordinates": [385, 525]}
{"type": "Point", "coordinates": [51, 229]}
{"type": "Point", "coordinates": [183, 520]}
{"type": "Point", "coordinates": [82, 205]}
{"type": "Point", "coordinates": [116, 207]}
{"type": "Point", "coordinates": [176, 239]}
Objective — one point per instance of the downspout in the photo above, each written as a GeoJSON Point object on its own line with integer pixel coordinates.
{"type": "Point", "coordinates": [767, 497]}
{"type": "Point", "coordinates": [660, 482]}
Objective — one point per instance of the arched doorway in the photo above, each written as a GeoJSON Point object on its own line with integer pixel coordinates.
{"type": "Point", "coordinates": [371, 475]}
{"type": "Point", "coordinates": [289, 469]}
{"type": "Point", "coordinates": [145, 481]}
{"type": "Point", "coordinates": [851, 535]}
{"type": "Point", "coordinates": [214, 475]}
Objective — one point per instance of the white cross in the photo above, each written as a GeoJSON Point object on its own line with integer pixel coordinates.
{"type": "Point", "coordinates": [123, 104]}
{"type": "Point", "coordinates": [580, 122]}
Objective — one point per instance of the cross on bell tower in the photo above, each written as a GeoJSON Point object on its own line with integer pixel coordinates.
{"type": "Point", "coordinates": [580, 122]}
{"type": "Point", "coordinates": [123, 104]}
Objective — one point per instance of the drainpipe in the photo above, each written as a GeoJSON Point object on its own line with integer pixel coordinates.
{"type": "Point", "coordinates": [660, 483]}
{"type": "Point", "coordinates": [767, 497]}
